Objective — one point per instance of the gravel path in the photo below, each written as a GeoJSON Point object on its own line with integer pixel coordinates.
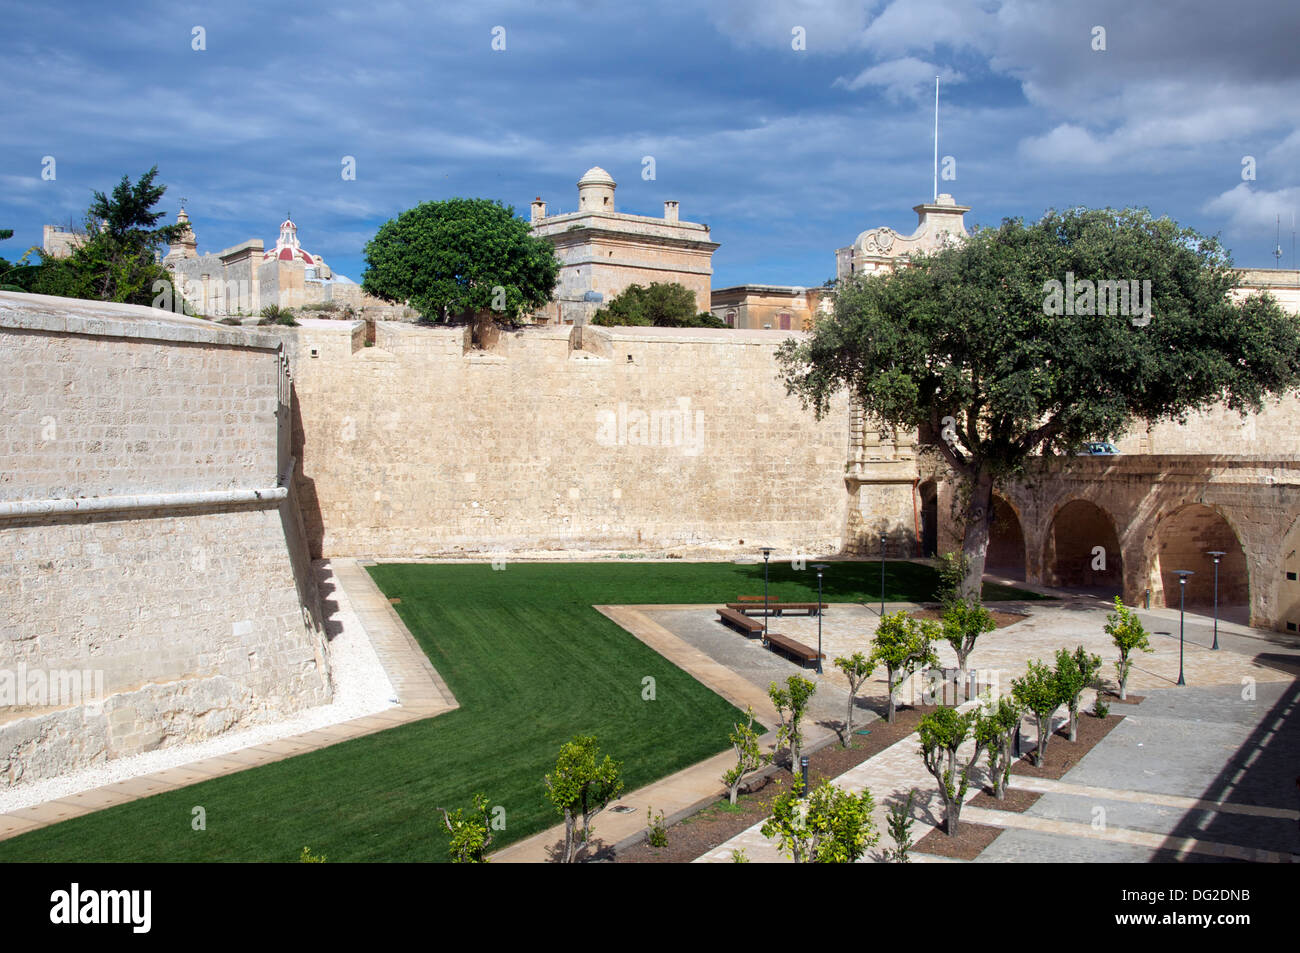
{"type": "Point", "coordinates": [361, 687]}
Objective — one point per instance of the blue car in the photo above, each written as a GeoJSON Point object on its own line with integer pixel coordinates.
{"type": "Point", "coordinates": [1098, 448]}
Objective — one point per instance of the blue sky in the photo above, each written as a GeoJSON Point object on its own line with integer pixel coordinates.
{"type": "Point", "coordinates": [786, 153]}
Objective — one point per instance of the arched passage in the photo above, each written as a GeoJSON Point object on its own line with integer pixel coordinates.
{"type": "Point", "coordinates": [929, 493]}
{"type": "Point", "coordinates": [1082, 550]}
{"type": "Point", "coordinates": [1182, 540]}
{"type": "Point", "coordinates": [1289, 590]}
{"type": "Point", "coordinates": [1006, 553]}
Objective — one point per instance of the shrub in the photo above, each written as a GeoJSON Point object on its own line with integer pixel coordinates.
{"type": "Point", "coordinates": [656, 832]}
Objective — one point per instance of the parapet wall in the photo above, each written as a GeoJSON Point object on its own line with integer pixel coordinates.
{"type": "Point", "coordinates": [154, 580]}
{"type": "Point", "coordinates": [576, 439]}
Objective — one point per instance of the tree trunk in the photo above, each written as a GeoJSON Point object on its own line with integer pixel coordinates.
{"type": "Point", "coordinates": [975, 532]}
{"type": "Point", "coordinates": [1040, 752]}
{"type": "Point", "coordinates": [1123, 683]}
{"type": "Point", "coordinates": [889, 711]}
{"type": "Point", "coordinates": [1074, 724]}
{"type": "Point", "coordinates": [569, 846]}
{"type": "Point", "coordinates": [848, 721]}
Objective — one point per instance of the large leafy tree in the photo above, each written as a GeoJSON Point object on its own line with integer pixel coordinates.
{"type": "Point", "coordinates": [662, 304]}
{"type": "Point", "coordinates": [967, 347]}
{"type": "Point", "coordinates": [461, 257]}
{"type": "Point", "coordinates": [117, 260]}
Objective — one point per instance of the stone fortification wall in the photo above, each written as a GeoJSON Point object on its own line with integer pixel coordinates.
{"type": "Point", "coordinates": [154, 580]}
{"type": "Point", "coordinates": [575, 439]}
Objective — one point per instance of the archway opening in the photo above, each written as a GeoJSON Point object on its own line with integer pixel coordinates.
{"type": "Point", "coordinates": [1006, 552]}
{"type": "Point", "coordinates": [929, 492]}
{"type": "Point", "coordinates": [1082, 551]}
{"type": "Point", "coordinates": [1182, 541]}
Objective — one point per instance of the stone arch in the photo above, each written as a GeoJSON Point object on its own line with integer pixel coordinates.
{"type": "Point", "coordinates": [929, 494]}
{"type": "Point", "coordinates": [1071, 559]}
{"type": "Point", "coordinates": [1006, 552]}
{"type": "Point", "coordinates": [1181, 539]}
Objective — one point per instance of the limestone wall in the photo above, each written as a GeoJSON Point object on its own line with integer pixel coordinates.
{"type": "Point", "coordinates": [561, 438]}
{"type": "Point", "coordinates": [146, 544]}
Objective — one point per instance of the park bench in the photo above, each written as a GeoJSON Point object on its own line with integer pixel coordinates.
{"type": "Point", "coordinates": [810, 608]}
{"type": "Point", "coordinates": [755, 608]}
{"type": "Point", "coordinates": [740, 621]}
{"type": "Point", "coordinates": [775, 640]}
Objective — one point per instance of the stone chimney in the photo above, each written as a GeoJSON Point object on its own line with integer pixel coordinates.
{"type": "Point", "coordinates": [539, 209]}
{"type": "Point", "coordinates": [670, 211]}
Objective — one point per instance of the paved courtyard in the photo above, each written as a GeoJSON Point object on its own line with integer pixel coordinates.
{"type": "Point", "coordinates": [1200, 772]}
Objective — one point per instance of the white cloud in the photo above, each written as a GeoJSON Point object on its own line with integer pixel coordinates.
{"type": "Point", "coordinates": [905, 78]}
{"type": "Point", "coordinates": [1253, 211]}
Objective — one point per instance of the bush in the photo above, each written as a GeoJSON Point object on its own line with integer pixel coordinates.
{"type": "Point", "coordinates": [274, 314]}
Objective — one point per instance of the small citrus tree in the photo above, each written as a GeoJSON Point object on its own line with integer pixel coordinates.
{"type": "Point", "coordinates": [857, 669]}
{"type": "Point", "coordinates": [830, 826]}
{"type": "Point", "coordinates": [470, 836]}
{"type": "Point", "coordinates": [580, 788]}
{"type": "Point", "coordinates": [1127, 632]}
{"type": "Point", "coordinates": [749, 758]}
{"type": "Point", "coordinates": [791, 703]}
{"type": "Point", "coordinates": [994, 727]}
{"type": "Point", "coordinates": [942, 732]}
{"type": "Point", "coordinates": [902, 645]}
{"type": "Point", "coordinates": [964, 621]}
{"type": "Point", "coordinates": [1039, 692]}
{"type": "Point", "coordinates": [1075, 672]}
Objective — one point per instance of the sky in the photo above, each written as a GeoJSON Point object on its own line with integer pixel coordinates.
{"type": "Point", "coordinates": [787, 127]}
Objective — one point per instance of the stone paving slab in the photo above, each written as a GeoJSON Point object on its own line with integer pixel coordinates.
{"type": "Point", "coordinates": [425, 695]}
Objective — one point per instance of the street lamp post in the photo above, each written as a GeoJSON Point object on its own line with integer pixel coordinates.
{"type": "Point", "coordinates": [1182, 575]}
{"type": "Point", "coordinates": [820, 567]}
{"type": "Point", "coordinates": [1217, 554]}
{"type": "Point", "coordinates": [882, 575]}
{"type": "Point", "coordinates": [767, 552]}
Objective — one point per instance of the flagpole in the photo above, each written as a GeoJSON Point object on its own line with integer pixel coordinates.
{"type": "Point", "coordinates": [936, 140]}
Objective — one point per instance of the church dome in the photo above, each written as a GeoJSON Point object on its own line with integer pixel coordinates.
{"type": "Point", "coordinates": [287, 247]}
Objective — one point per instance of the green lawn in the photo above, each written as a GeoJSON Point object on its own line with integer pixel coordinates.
{"type": "Point", "coordinates": [531, 663]}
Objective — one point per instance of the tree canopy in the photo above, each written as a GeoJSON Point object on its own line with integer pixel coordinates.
{"type": "Point", "coordinates": [117, 257]}
{"type": "Point", "coordinates": [662, 305]}
{"type": "Point", "coordinates": [461, 257]}
{"type": "Point", "coordinates": [1028, 339]}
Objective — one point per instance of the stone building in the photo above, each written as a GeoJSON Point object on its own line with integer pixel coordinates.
{"type": "Point", "coordinates": [247, 277]}
{"type": "Point", "coordinates": [602, 250]}
{"type": "Point", "coordinates": [877, 249]}
{"type": "Point", "coordinates": [769, 307]}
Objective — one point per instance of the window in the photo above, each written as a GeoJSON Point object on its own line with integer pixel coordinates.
{"type": "Point", "coordinates": [731, 319]}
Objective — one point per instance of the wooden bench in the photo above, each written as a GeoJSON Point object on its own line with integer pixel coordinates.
{"type": "Point", "coordinates": [811, 608]}
{"type": "Point", "coordinates": [775, 640]}
{"type": "Point", "coordinates": [752, 599]}
{"type": "Point", "coordinates": [755, 608]}
{"type": "Point", "coordinates": [740, 621]}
